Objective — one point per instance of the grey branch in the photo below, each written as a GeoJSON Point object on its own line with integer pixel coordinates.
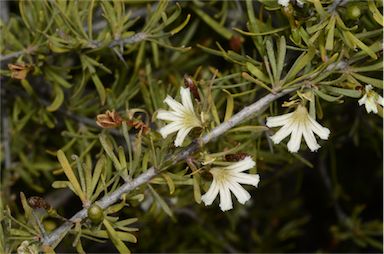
{"type": "Point", "coordinates": [55, 237]}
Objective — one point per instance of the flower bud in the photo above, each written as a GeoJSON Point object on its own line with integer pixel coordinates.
{"type": "Point", "coordinates": [111, 119]}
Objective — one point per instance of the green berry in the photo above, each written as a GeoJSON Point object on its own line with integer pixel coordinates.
{"type": "Point", "coordinates": [353, 12]}
{"type": "Point", "coordinates": [95, 214]}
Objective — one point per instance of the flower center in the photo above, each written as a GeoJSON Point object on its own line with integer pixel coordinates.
{"type": "Point", "coordinates": [220, 175]}
{"type": "Point", "coordinates": [301, 114]}
{"type": "Point", "coordinates": [191, 120]}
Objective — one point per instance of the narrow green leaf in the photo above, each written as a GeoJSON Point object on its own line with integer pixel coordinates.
{"type": "Point", "coordinates": [196, 188]}
{"type": "Point", "coordinates": [120, 246]}
{"type": "Point", "coordinates": [327, 97]}
{"type": "Point", "coordinates": [109, 150]}
{"type": "Point", "coordinates": [374, 67]}
{"type": "Point", "coordinates": [161, 202]}
{"type": "Point", "coordinates": [303, 60]}
{"type": "Point", "coordinates": [59, 99]}
{"type": "Point", "coordinates": [97, 172]}
{"type": "Point", "coordinates": [347, 92]}
{"type": "Point", "coordinates": [230, 106]}
{"type": "Point", "coordinates": [375, 12]}
{"type": "Point", "coordinates": [331, 33]}
{"type": "Point", "coordinates": [70, 174]}
{"type": "Point", "coordinates": [170, 183]}
{"type": "Point", "coordinates": [181, 26]}
{"type": "Point", "coordinates": [281, 56]}
{"type": "Point", "coordinates": [227, 34]}
{"type": "Point", "coordinates": [271, 58]}
{"type": "Point", "coordinates": [350, 37]}
{"type": "Point", "coordinates": [26, 207]}
{"type": "Point", "coordinates": [99, 87]}
{"type": "Point", "coordinates": [257, 72]}
{"type": "Point", "coordinates": [257, 82]}
{"type": "Point", "coordinates": [372, 81]}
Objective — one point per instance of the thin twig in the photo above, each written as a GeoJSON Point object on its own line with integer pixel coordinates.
{"type": "Point", "coordinates": [54, 238]}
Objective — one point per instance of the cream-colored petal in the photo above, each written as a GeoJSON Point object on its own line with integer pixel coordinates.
{"type": "Point", "coordinates": [370, 106]}
{"type": "Point", "coordinates": [211, 194]}
{"type": "Point", "coordinates": [368, 88]}
{"type": "Point", "coordinates": [295, 141]}
{"type": "Point", "coordinates": [173, 104]}
{"type": "Point", "coordinates": [170, 128]}
{"type": "Point", "coordinates": [275, 121]}
{"type": "Point", "coordinates": [309, 138]}
{"type": "Point", "coordinates": [225, 198]}
{"type": "Point", "coordinates": [167, 115]}
{"type": "Point", "coordinates": [240, 193]}
{"type": "Point", "coordinates": [320, 131]}
{"type": "Point", "coordinates": [183, 132]}
{"type": "Point", "coordinates": [284, 3]}
{"type": "Point", "coordinates": [243, 178]}
{"type": "Point", "coordinates": [283, 132]}
{"type": "Point", "coordinates": [186, 99]}
{"type": "Point", "coordinates": [242, 165]}
{"type": "Point", "coordinates": [363, 100]}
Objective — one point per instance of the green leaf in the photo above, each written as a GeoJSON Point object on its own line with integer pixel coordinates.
{"type": "Point", "coordinates": [303, 60]}
{"type": "Point", "coordinates": [372, 81]}
{"type": "Point", "coordinates": [26, 207]}
{"type": "Point", "coordinates": [327, 97]}
{"type": "Point", "coordinates": [347, 92]}
{"type": "Point", "coordinates": [120, 246]}
{"type": "Point", "coordinates": [70, 175]}
{"type": "Point", "coordinates": [97, 172]}
{"type": "Point", "coordinates": [227, 34]}
{"type": "Point", "coordinates": [109, 150]}
{"type": "Point", "coordinates": [331, 33]}
{"type": "Point", "coordinates": [375, 12]}
{"type": "Point", "coordinates": [170, 183]}
{"type": "Point", "coordinates": [271, 58]}
{"type": "Point", "coordinates": [196, 188]}
{"type": "Point", "coordinates": [181, 26]}
{"type": "Point", "coordinates": [99, 87]}
{"type": "Point", "coordinates": [350, 37]}
{"type": "Point", "coordinates": [257, 82]}
{"type": "Point", "coordinates": [281, 56]}
{"type": "Point", "coordinates": [230, 106]}
{"type": "Point", "coordinates": [59, 99]}
{"type": "Point", "coordinates": [257, 72]}
{"type": "Point", "coordinates": [161, 202]}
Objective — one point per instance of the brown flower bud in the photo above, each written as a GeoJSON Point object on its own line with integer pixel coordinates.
{"type": "Point", "coordinates": [19, 70]}
{"type": "Point", "coordinates": [189, 83]}
{"type": "Point", "coordinates": [235, 43]}
{"type": "Point", "coordinates": [111, 119]}
{"type": "Point", "coordinates": [236, 156]}
{"type": "Point", "coordinates": [137, 124]}
{"type": "Point", "coordinates": [38, 202]}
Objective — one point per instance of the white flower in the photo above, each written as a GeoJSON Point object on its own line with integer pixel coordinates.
{"type": "Point", "coordinates": [371, 99]}
{"type": "Point", "coordinates": [300, 3]}
{"type": "Point", "coordinates": [182, 117]}
{"type": "Point", "coordinates": [284, 3]}
{"type": "Point", "coordinates": [226, 179]}
{"type": "Point", "coordinates": [298, 124]}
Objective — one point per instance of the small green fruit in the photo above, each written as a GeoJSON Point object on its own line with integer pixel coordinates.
{"type": "Point", "coordinates": [95, 214]}
{"type": "Point", "coordinates": [353, 12]}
